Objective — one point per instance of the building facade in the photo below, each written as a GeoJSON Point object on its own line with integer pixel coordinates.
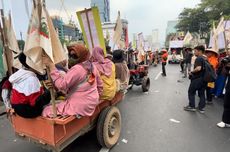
{"type": "Point", "coordinates": [155, 39]}
{"type": "Point", "coordinates": [67, 32]}
{"type": "Point", "coordinates": [171, 27]}
{"type": "Point", "coordinates": [104, 9]}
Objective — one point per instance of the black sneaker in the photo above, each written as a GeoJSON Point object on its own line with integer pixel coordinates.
{"type": "Point", "coordinates": [164, 75]}
{"type": "Point", "coordinates": [188, 108]}
{"type": "Point", "coordinates": [201, 111]}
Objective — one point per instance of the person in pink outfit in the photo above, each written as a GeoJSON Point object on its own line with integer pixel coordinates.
{"type": "Point", "coordinates": [81, 83]}
{"type": "Point", "coordinates": [106, 69]}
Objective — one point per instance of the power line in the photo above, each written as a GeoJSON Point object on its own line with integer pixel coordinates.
{"type": "Point", "coordinates": [63, 5]}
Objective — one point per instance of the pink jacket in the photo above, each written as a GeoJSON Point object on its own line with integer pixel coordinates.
{"type": "Point", "coordinates": [83, 100]}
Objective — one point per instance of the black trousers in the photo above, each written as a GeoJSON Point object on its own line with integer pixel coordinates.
{"type": "Point", "coordinates": [163, 68]}
{"type": "Point", "coordinates": [28, 111]}
{"type": "Point", "coordinates": [197, 85]}
{"type": "Point", "coordinates": [182, 66]}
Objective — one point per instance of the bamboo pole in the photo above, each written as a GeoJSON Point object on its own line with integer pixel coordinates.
{"type": "Point", "coordinates": [41, 4]}
{"type": "Point", "coordinates": [8, 53]}
{"type": "Point", "coordinates": [225, 39]}
{"type": "Point", "coordinates": [54, 108]}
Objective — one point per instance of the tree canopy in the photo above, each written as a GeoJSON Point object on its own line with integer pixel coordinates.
{"type": "Point", "coordinates": [201, 18]}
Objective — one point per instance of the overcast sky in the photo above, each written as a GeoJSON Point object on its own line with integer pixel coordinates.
{"type": "Point", "coordinates": [143, 15]}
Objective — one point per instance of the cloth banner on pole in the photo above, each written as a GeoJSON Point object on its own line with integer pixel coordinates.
{"type": "Point", "coordinates": [215, 39]}
{"type": "Point", "coordinates": [42, 37]}
{"type": "Point", "coordinates": [118, 31]}
{"type": "Point", "coordinates": [12, 43]}
{"type": "Point", "coordinates": [140, 41]}
{"type": "Point", "coordinates": [176, 44]}
{"type": "Point", "coordinates": [227, 33]}
{"type": "Point", "coordinates": [221, 39]}
{"type": "Point", "coordinates": [126, 37]}
{"type": "Point", "coordinates": [90, 23]}
{"type": "Point", "coordinates": [188, 37]}
{"type": "Point", "coordinates": [147, 46]}
{"type": "Point", "coordinates": [220, 28]}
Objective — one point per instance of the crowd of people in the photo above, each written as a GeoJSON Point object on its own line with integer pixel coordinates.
{"type": "Point", "coordinates": [93, 77]}
{"type": "Point", "coordinates": [211, 74]}
{"type": "Point", "coordinates": [89, 79]}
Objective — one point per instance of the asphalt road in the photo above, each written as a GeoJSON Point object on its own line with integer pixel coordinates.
{"type": "Point", "coordinates": [151, 122]}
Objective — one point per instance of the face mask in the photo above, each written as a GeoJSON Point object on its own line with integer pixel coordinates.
{"type": "Point", "coordinates": [72, 62]}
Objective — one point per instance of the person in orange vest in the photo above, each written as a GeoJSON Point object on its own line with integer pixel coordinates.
{"type": "Point", "coordinates": [212, 57]}
{"type": "Point", "coordinates": [164, 58]}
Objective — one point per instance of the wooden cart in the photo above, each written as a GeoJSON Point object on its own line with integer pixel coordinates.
{"type": "Point", "coordinates": [56, 134]}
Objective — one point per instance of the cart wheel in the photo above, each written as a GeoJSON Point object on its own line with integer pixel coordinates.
{"type": "Point", "coordinates": [145, 84]}
{"type": "Point", "coordinates": [109, 127]}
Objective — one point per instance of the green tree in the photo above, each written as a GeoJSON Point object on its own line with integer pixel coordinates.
{"type": "Point", "coordinates": [200, 18]}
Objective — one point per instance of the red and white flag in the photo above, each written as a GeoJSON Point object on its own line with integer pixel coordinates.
{"type": "Point", "coordinates": [41, 38]}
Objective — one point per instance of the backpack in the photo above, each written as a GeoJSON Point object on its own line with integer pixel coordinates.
{"type": "Point", "coordinates": [209, 72]}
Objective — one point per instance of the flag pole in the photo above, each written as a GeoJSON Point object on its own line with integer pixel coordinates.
{"type": "Point", "coordinates": [54, 108]}
{"type": "Point", "coordinates": [5, 43]}
{"type": "Point", "coordinates": [119, 14]}
{"type": "Point", "coordinates": [225, 39]}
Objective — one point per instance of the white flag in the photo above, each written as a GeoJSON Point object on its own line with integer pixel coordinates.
{"type": "Point", "coordinates": [140, 41]}
{"type": "Point", "coordinates": [12, 43]}
{"type": "Point", "coordinates": [215, 46]}
{"type": "Point", "coordinates": [41, 38]}
{"type": "Point", "coordinates": [118, 32]}
{"type": "Point", "coordinates": [188, 37]}
{"type": "Point", "coordinates": [227, 34]}
{"type": "Point", "coordinates": [220, 27]}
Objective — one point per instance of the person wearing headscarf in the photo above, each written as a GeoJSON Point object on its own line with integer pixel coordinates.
{"type": "Point", "coordinates": [212, 57]}
{"type": "Point", "coordinates": [81, 83]}
{"type": "Point", "coordinates": [28, 97]}
{"type": "Point", "coordinates": [122, 71]}
{"type": "Point", "coordinates": [106, 69]}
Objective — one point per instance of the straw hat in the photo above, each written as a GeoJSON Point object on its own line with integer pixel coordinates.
{"type": "Point", "coordinates": [212, 50]}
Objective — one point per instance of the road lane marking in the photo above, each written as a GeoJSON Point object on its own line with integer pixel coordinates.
{"type": "Point", "coordinates": [158, 75]}
{"type": "Point", "coordinates": [104, 150]}
{"type": "Point", "coordinates": [174, 120]}
{"type": "Point", "coordinates": [125, 141]}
